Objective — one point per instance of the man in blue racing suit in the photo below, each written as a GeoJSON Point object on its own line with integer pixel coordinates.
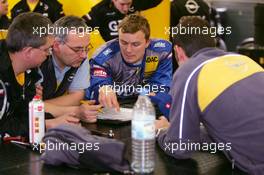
{"type": "Point", "coordinates": [130, 65]}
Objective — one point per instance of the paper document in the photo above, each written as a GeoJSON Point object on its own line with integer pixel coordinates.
{"type": "Point", "coordinates": [125, 114]}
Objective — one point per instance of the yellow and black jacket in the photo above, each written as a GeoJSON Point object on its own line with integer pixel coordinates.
{"type": "Point", "coordinates": [225, 92]}
{"type": "Point", "coordinates": [51, 9]}
{"type": "Point", "coordinates": [4, 22]}
{"type": "Point", "coordinates": [15, 118]}
{"type": "Point", "coordinates": [105, 16]}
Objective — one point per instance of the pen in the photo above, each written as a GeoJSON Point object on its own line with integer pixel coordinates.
{"type": "Point", "coordinates": [100, 110]}
{"type": "Point", "coordinates": [84, 102]}
{"type": "Point", "coordinates": [21, 144]}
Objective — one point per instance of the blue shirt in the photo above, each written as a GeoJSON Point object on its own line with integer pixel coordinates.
{"type": "Point", "coordinates": [81, 79]}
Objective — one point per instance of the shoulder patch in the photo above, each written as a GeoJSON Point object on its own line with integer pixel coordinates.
{"type": "Point", "coordinates": [99, 72]}
{"type": "Point", "coordinates": [107, 51]}
{"type": "Point", "coordinates": [160, 45]}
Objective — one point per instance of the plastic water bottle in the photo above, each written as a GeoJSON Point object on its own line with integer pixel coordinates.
{"type": "Point", "coordinates": [36, 120]}
{"type": "Point", "coordinates": [143, 136]}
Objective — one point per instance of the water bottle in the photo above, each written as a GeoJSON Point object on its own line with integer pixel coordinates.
{"type": "Point", "coordinates": [36, 120]}
{"type": "Point", "coordinates": [143, 136]}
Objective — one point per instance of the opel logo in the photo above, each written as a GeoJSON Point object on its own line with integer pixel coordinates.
{"type": "Point", "coordinates": [192, 6]}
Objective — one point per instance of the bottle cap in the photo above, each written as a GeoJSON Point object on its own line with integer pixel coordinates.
{"type": "Point", "coordinates": [37, 97]}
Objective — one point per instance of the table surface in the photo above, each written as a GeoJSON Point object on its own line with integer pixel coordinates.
{"type": "Point", "coordinates": [19, 160]}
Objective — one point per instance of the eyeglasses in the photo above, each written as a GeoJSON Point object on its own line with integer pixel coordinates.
{"type": "Point", "coordinates": [80, 50]}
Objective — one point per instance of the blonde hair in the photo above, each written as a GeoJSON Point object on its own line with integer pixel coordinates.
{"type": "Point", "coordinates": [134, 23]}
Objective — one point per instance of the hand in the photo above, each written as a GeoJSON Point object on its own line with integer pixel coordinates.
{"type": "Point", "coordinates": [162, 122]}
{"type": "Point", "coordinates": [152, 94]}
{"type": "Point", "coordinates": [107, 97]}
{"type": "Point", "coordinates": [88, 111]}
{"type": "Point", "coordinates": [64, 119]}
{"type": "Point", "coordinates": [39, 90]}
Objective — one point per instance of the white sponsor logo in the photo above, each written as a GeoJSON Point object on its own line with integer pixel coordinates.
{"type": "Point", "coordinates": [107, 51]}
{"type": "Point", "coordinates": [159, 44]}
{"type": "Point", "coordinates": [110, 13]}
{"type": "Point", "coordinates": [113, 26]}
{"type": "Point", "coordinates": [99, 73]}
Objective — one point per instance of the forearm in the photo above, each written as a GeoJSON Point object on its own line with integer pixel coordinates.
{"type": "Point", "coordinates": [56, 110]}
{"type": "Point", "coordinates": [173, 147]}
{"type": "Point", "coordinates": [71, 99]}
{"type": "Point", "coordinates": [48, 123]}
{"type": "Point", "coordinates": [179, 143]}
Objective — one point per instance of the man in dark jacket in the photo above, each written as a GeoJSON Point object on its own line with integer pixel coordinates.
{"type": "Point", "coordinates": [224, 92]}
{"type": "Point", "coordinates": [107, 14]}
{"type": "Point", "coordinates": [180, 8]}
{"type": "Point", "coordinates": [51, 9]}
{"type": "Point", "coordinates": [4, 21]}
{"type": "Point", "coordinates": [22, 51]}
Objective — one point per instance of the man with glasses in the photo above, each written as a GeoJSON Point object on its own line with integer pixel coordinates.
{"type": "Point", "coordinates": [66, 71]}
{"type": "Point", "coordinates": [22, 51]}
